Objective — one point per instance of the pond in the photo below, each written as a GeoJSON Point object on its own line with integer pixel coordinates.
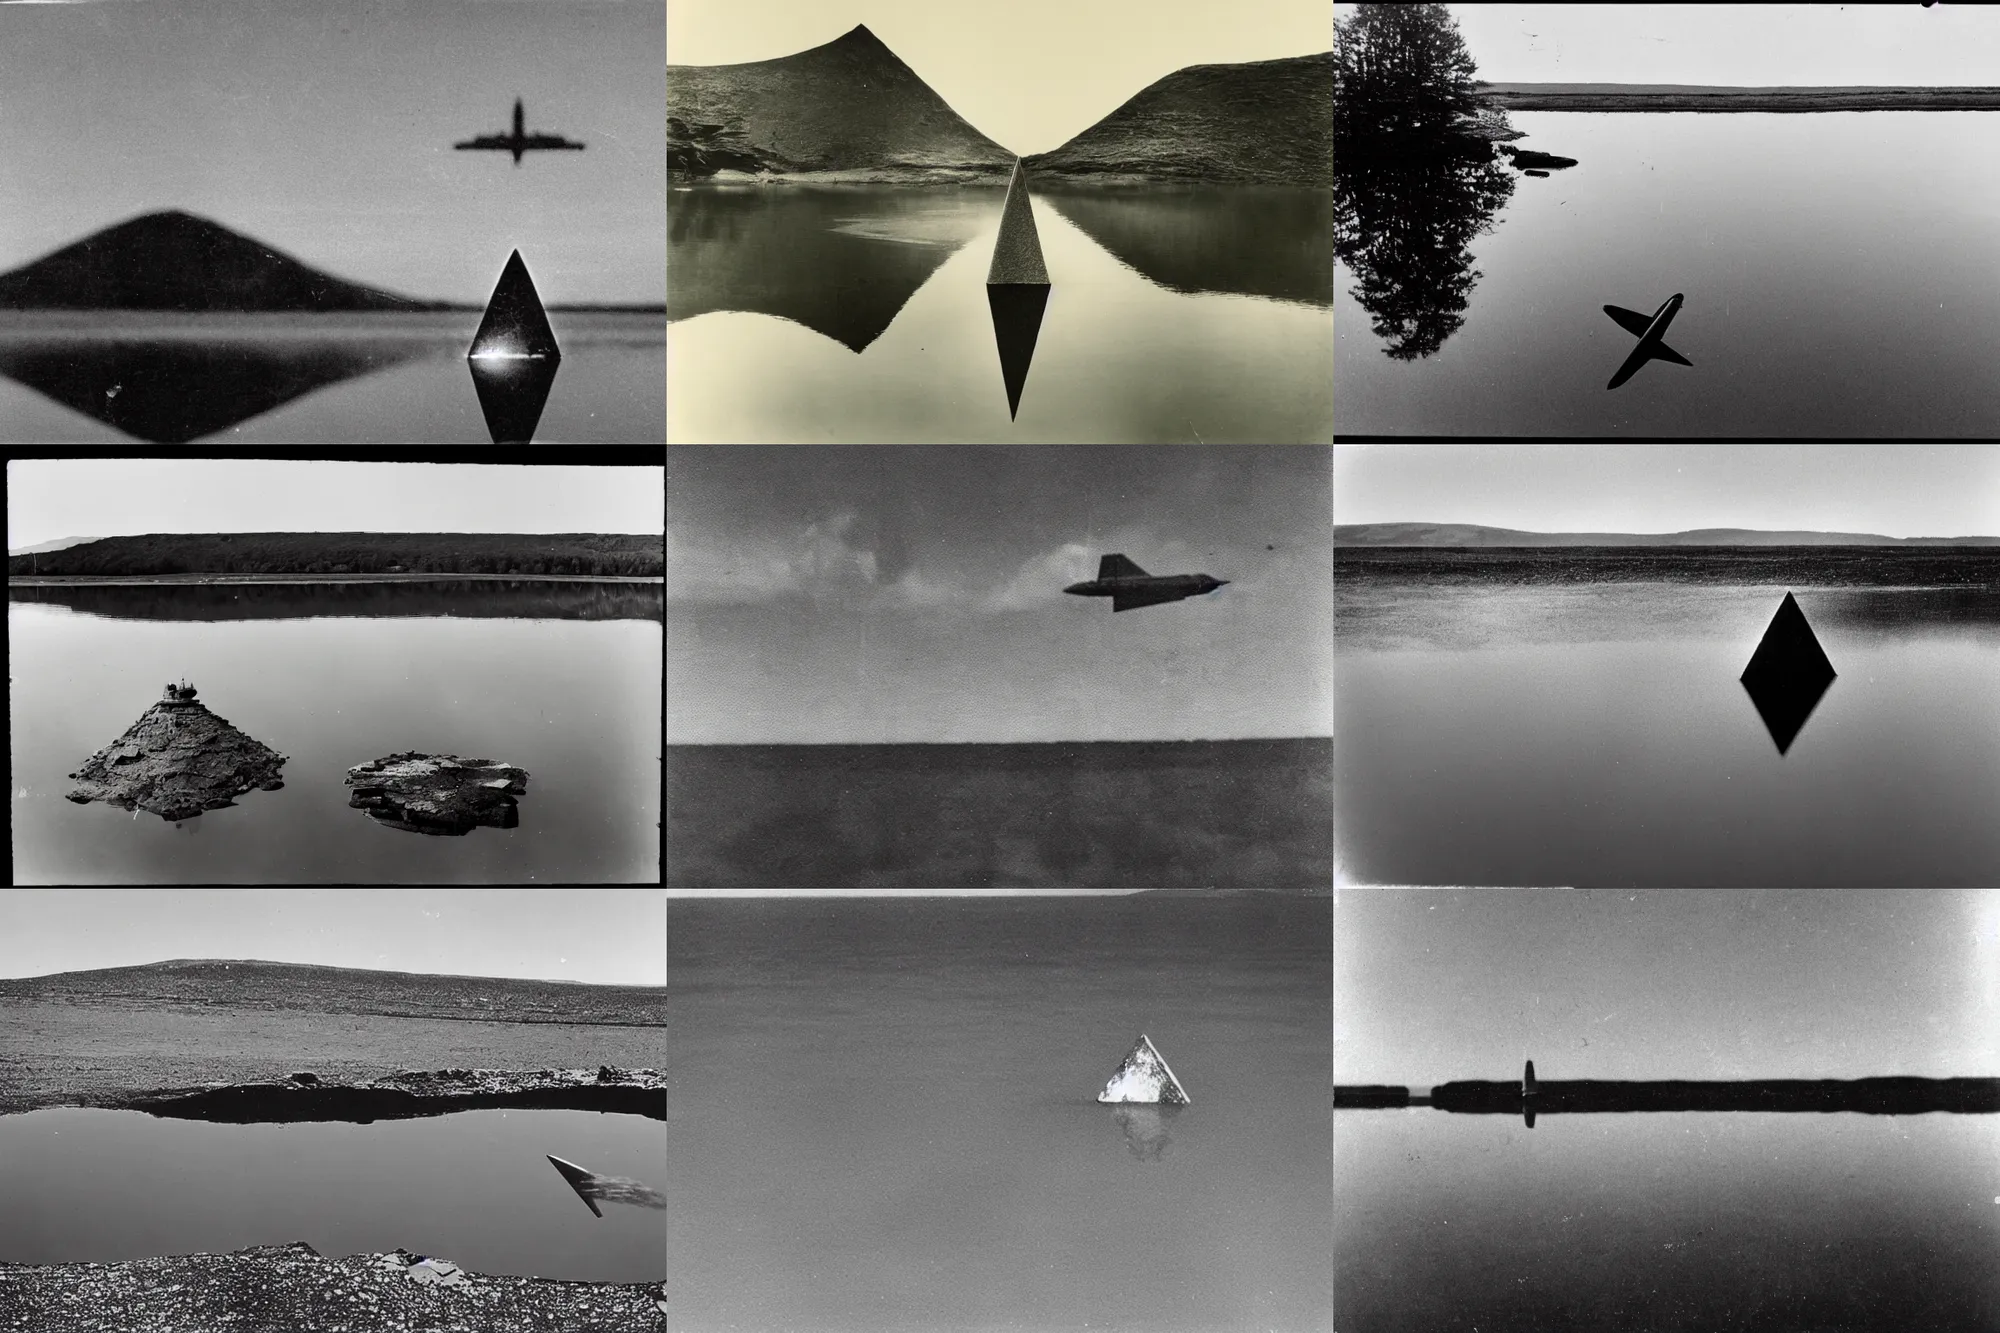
{"type": "Point", "coordinates": [884, 1117]}
{"type": "Point", "coordinates": [475, 1188]}
{"type": "Point", "coordinates": [1496, 731]}
{"type": "Point", "coordinates": [560, 679]}
{"type": "Point", "coordinates": [1837, 268]}
{"type": "Point", "coordinates": [860, 313]}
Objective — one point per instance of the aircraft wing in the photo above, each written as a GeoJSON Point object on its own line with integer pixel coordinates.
{"type": "Point", "coordinates": [1132, 601]}
{"type": "Point", "coordinates": [499, 141]}
{"type": "Point", "coordinates": [1663, 352]}
{"type": "Point", "coordinates": [1118, 567]}
{"type": "Point", "coordinates": [1631, 321]}
{"type": "Point", "coordinates": [549, 141]}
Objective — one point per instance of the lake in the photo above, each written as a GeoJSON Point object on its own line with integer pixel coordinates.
{"type": "Point", "coordinates": [83, 377]}
{"type": "Point", "coordinates": [883, 1114]}
{"type": "Point", "coordinates": [1837, 267]}
{"type": "Point", "coordinates": [1746, 1221]}
{"type": "Point", "coordinates": [560, 679]}
{"type": "Point", "coordinates": [475, 1188]}
{"type": "Point", "coordinates": [801, 314]}
{"type": "Point", "coordinates": [1576, 717]}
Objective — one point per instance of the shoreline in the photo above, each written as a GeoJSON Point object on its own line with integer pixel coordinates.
{"type": "Point", "coordinates": [1644, 97]}
{"type": "Point", "coordinates": [410, 1096]}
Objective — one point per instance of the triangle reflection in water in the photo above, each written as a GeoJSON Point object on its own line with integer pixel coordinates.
{"type": "Point", "coordinates": [512, 394]}
{"type": "Point", "coordinates": [1787, 674]}
{"type": "Point", "coordinates": [1017, 323]}
{"type": "Point", "coordinates": [513, 357]}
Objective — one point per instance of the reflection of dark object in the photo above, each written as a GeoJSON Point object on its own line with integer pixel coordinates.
{"type": "Point", "coordinates": [1148, 1129]}
{"type": "Point", "coordinates": [512, 395]}
{"type": "Point", "coordinates": [1542, 163]}
{"type": "Point", "coordinates": [172, 392]}
{"type": "Point", "coordinates": [1017, 323]}
{"type": "Point", "coordinates": [520, 142]}
{"type": "Point", "coordinates": [438, 794]}
{"type": "Point", "coordinates": [1872, 1096]}
{"type": "Point", "coordinates": [1130, 587]}
{"type": "Point", "coordinates": [408, 1096]}
{"type": "Point", "coordinates": [175, 261]}
{"type": "Point", "coordinates": [513, 357]}
{"type": "Point", "coordinates": [1651, 330]}
{"type": "Point", "coordinates": [594, 1189]}
{"type": "Point", "coordinates": [504, 598]}
{"type": "Point", "coordinates": [176, 761]}
{"type": "Point", "coordinates": [1243, 240]}
{"type": "Point", "coordinates": [1534, 173]}
{"type": "Point", "coordinates": [1787, 674]}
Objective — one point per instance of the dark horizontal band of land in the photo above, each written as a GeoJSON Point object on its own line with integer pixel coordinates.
{"type": "Point", "coordinates": [1652, 97]}
{"type": "Point", "coordinates": [1873, 1096]}
{"type": "Point", "coordinates": [254, 1104]}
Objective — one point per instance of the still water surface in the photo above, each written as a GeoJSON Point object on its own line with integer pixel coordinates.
{"type": "Point", "coordinates": [574, 702]}
{"type": "Point", "coordinates": [883, 1114]}
{"type": "Point", "coordinates": [475, 1188]}
{"type": "Point", "coordinates": [1839, 270]}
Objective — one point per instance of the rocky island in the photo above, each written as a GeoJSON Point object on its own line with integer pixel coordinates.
{"type": "Point", "coordinates": [176, 761]}
{"type": "Point", "coordinates": [437, 793]}
{"type": "Point", "coordinates": [410, 1094]}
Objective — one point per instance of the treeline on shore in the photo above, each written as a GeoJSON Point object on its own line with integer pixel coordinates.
{"type": "Point", "coordinates": [354, 553]}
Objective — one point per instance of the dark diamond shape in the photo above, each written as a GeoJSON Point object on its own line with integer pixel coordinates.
{"type": "Point", "coordinates": [1787, 674]}
{"type": "Point", "coordinates": [516, 327]}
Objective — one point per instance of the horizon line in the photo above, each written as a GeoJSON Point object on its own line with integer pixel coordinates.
{"type": "Point", "coordinates": [331, 967]}
{"type": "Point", "coordinates": [1675, 532]}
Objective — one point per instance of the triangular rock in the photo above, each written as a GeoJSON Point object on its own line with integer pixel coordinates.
{"type": "Point", "coordinates": [1017, 255]}
{"type": "Point", "coordinates": [176, 761]}
{"type": "Point", "coordinates": [1143, 1076]}
{"type": "Point", "coordinates": [516, 327]}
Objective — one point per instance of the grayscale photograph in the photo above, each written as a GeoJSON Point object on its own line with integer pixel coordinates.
{"type": "Point", "coordinates": [1725, 221]}
{"type": "Point", "coordinates": [251, 671]}
{"type": "Point", "coordinates": [1043, 221]}
{"type": "Point", "coordinates": [288, 1109]}
{"type": "Point", "coordinates": [1665, 1109]}
{"type": "Point", "coordinates": [1700, 665]}
{"type": "Point", "coordinates": [1088, 667]}
{"type": "Point", "coordinates": [345, 222]}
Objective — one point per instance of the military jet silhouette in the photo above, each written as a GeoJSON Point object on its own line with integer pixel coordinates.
{"type": "Point", "coordinates": [1650, 329]}
{"type": "Point", "coordinates": [520, 141]}
{"type": "Point", "coordinates": [1130, 587]}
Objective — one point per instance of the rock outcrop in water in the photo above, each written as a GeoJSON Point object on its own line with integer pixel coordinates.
{"type": "Point", "coordinates": [411, 1095]}
{"type": "Point", "coordinates": [176, 761]}
{"type": "Point", "coordinates": [439, 794]}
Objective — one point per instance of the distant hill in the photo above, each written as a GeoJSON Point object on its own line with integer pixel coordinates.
{"type": "Point", "coordinates": [56, 545]}
{"type": "Point", "coordinates": [1472, 534]}
{"type": "Point", "coordinates": [1266, 122]}
{"type": "Point", "coordinates": [1720, 97]}
{"type": "Point", "coordinates": [850, 105]}
{"type": "Point", "coordinates": [355, 553]}
{"type": "Point", "coordinates": [176, 261]}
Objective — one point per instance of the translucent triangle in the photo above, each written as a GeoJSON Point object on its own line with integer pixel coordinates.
{"type": "Point", "coordinates": [1143, 1076]}
{"type": "Point", "coordinates": [516, 327]}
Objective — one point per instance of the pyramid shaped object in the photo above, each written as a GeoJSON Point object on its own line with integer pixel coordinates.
{"type": "Point", "coordinates": [1787, 674]}
{"type": "Point", "coordinates": [1143, 1076]}
{"type": "Point", "coordinates": [516, 327]}
{"type": "Point", "coordinates": [578, 1178]}
{"type": "Point", "coordinates": [176, 761]}
{"type": "Point", "coordinates": [1017, 255]}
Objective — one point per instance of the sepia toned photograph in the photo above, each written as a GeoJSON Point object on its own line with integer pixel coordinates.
{"type": "Point", "coordinates": [280, 1109]}
{"type": "Point", "coordinates": [252, 671]}
{"type": "Point", "coordinates": [349, 222]}
{"type": "Point", "coordinates": [1049, 221]}
{"type": "Point", "coordinates": [1702, 665]}
{"type": "Point", "coordinates": [1612, 220]}
{"type": "Point", "coordinates": [999, 667]}
{"type": "Point", "coordinates": [1625, 1109]}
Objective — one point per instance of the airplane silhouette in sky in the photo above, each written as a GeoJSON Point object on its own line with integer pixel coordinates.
{"type": "Point", "coordinates": [520, 141]}
{"type": "Point", "coordinates": [1650, 330]}
{"type": "Point", "coordinates": [1130, 587]}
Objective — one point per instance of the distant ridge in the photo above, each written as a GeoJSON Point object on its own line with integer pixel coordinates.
{"type": "Point", "coordinates": [1473, 534]}
{"type": "Point", "coordinates": [58, 544]}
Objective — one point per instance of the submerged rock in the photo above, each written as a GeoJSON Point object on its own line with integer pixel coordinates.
{"type": "Point", "coordinates": [439, 794]}
{"type": "Point", "coordinates": [176, 761]}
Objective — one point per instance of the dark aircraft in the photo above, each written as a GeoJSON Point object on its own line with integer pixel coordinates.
{"type": "Point", "coordinates": [1130, 587]}
{"type": "Point", "coordinates": [1649, 330]}
{"type": "Point", "coordinates": [520, 141]}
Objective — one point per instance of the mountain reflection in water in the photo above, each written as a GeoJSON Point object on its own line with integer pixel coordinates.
{"type": "Point", "coordinates": [1234, 240]}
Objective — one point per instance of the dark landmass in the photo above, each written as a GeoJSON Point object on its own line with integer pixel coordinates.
{"type": "Point", "coordinates": [1274, 242]}
{"type": "Point", "coordinates": [1873, 1096]}
{"type": "Point", "coordinates": [291, 1288]}
{"type": "Point", "coordinates": [485, 596]}
{"type": "Point", "coordinates": [850, 105]}
{"type": "Point", "coordinates": [355, 553]}
{"type": "Point", "coordinates": [1372, 1094]}
{"type": "Point", "coordinates": [1538, 164]}
{"type": "Point", "coordinates": [438, 794]}
{"type": "Point", "coordinates": [1473, 534]}
{"type": "Point", "coordinates": [176, 761]}
{"type": "Point", "coordinates": [1974, 570]}
{"type": "Point", "coordinates": [176, 261]}
{"type": "Point", "coordinates": [1142, 814]}
{"type": "Point", "coordinates": [1266, 122]}
{"type": "Point", "coordinates": [1695, 97]}
{"type": "Point", "coordinates": [409, 1095]}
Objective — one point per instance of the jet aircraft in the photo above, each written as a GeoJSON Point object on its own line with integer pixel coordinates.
{"type": "Point", "coordinates": [1130, 587]}
{"type": "Point", "coordinates": [520, 141]}
{"type": "Point", "coordinates": [1650, 330]}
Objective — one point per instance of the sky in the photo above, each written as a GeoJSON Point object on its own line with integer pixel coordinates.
{"type": "Point", "coordinates": [1029, 74]}
{"type": "Point", "coordinates": [1892, 490]}
{"type": "Point", "coordinates": [602, 936]}
{"type": "Point", "coordinates": [1662, 984]}
{"type": "Point", "coordinates": [48, 499]}
{"type": "Point", "coordinates": [325, 130]}
{"type": "Point", "coordinates": [1753, 45]}
{"type": "Point", "coordinates": [872, 594]}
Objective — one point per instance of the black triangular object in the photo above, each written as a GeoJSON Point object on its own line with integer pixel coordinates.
{"type": "Point", "coordinates": [1787, 674]}
{"type": "Point", "coordinates": [515, 326]}
{"type": "Point", "coordinates": [1017, 322]}
{"type": "Point", "coordinates": [512, 393]}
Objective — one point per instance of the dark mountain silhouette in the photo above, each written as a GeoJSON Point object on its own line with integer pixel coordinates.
{"type": "Point", "coordinates": [1267, 121]}
{"type": "Point", "coordinates": [176, 261]}
{"type": "Point", "coordinates": [848, 105]}
{"type": "Point", "coordinates": [1473, 534]}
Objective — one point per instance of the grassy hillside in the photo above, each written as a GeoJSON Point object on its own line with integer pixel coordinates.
{"type": "Point", "coordinates": [848, 105]}
{"type": "Point", "coordinates": [355, 553]}
{"type": "Point", "coordinates": [1266, 122]}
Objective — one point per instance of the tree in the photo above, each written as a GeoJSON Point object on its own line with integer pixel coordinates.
{"type": "Point", "coordinates": [1401, 68]}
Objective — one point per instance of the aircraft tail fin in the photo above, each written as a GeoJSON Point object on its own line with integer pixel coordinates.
{"type": "Point", "coordinates": [1118, 567]}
